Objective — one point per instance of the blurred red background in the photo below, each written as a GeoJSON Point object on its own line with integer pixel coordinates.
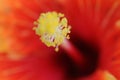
{"type": "Point", "coordinates": [95, 33]}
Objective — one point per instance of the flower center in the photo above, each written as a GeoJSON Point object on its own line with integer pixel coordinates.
{"type": "Point", "coordinates": [53, 28]}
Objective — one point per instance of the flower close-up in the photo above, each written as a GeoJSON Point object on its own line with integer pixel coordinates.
{"type": "Point", "coordinates": [60, 40]}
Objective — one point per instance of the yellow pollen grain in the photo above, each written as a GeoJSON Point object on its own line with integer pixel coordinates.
{"type": "Point", "coordinates": [53, 29]}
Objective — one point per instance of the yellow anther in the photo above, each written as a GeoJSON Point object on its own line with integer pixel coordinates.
{"type": "Point", "coordinates": [53, 28]}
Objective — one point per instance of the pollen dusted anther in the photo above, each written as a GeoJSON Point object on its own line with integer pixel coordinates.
{"type": "Point", "coordinates": [53, 29]}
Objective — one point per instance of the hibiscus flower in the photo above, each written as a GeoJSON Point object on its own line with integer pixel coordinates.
{"type": "Point", "coordinates": [91, 53]}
